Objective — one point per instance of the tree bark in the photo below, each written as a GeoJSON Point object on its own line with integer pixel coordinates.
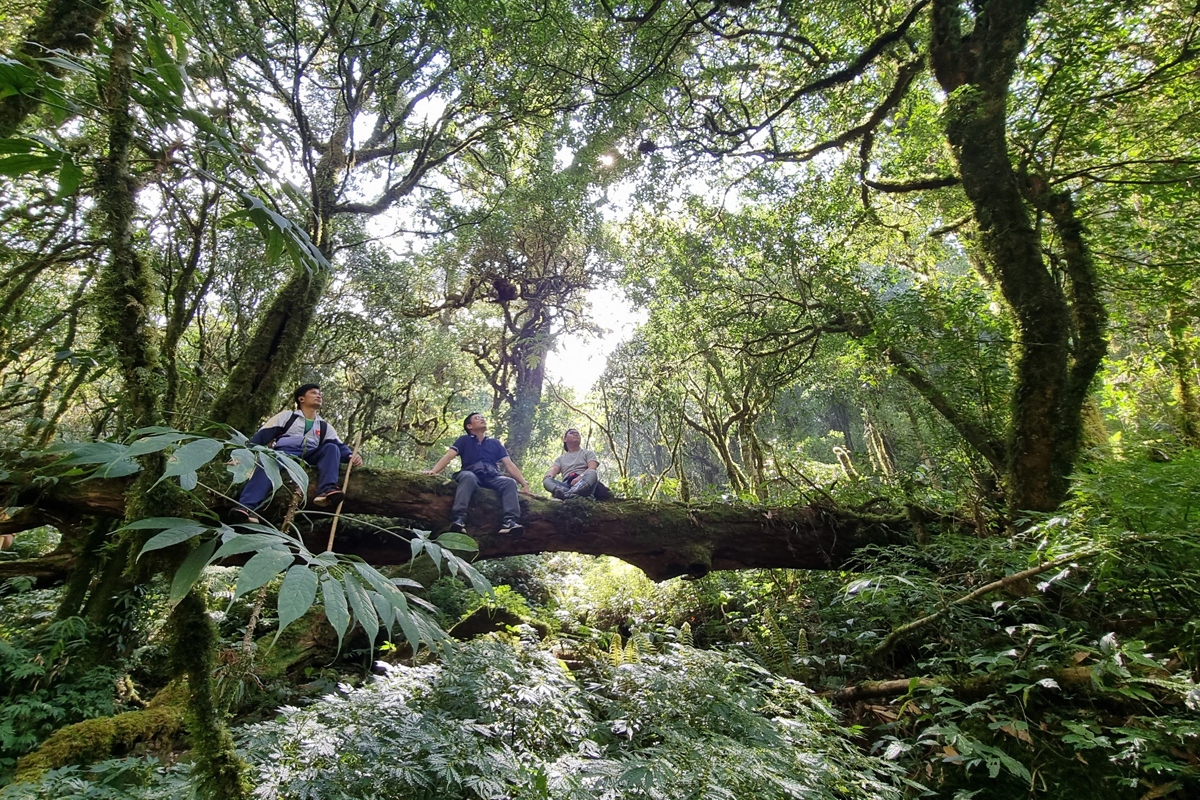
{"type": "Point", "coordinates": [252, 389]}
{"type": "Point", "coordinates": [664, 540]}
{"type": "Point", "coordinates": [975, 70]}
{"type": "Point", "coordinates": [69, 25]}
{"type": "Point", "coordinates": [1183, 365]}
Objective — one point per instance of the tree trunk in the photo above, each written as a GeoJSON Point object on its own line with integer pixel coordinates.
{"type": "Point", "coordinates": [975, 70]}
{"type": "Point", "coordinates": [69, 25]}
{"type": "Point", "coordinates": [529, 361]}
{"type": "Point", "coordinates": [253, 387]}
{"type": "Point", "coordinates": [1183, 366]}
{"type": "Point", "coordinates": [663, 539]}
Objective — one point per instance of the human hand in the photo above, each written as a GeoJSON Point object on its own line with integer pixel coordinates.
{"type": "Point", "coordinates": [426, 472]}
{"type": "Point", "coordinates": [355, 460]}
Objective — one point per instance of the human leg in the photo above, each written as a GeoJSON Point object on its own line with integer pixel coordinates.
{"type": "Point", "coordinates": [509, 501]}
{"type": "Point", "coordinates": [255, 491]}
{"type": "Point", "coordinates": [506, 487]}
{"type": "Point", "coordinates": [326, 458]}
{"type": "Point", "coordinates": [585, 485]}
{"type": "Point", "coordinates": [556, 487]}
{"type": "Point", "coordinates": [467, 484]}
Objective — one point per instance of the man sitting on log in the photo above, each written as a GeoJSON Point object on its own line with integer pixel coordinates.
{"type": "Point", "coordinates": [301, 433]}
{"type": "Point", "coordinates": [577, 466]}
{"type": "Point", "coordinates": [480, 456]}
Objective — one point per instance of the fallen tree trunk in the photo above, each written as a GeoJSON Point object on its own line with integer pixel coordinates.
{"type": "Point", "coordinates": [664, 540]}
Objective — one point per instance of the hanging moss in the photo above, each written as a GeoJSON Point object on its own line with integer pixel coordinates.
{"type": "Point", "coordinates": [218, 773]}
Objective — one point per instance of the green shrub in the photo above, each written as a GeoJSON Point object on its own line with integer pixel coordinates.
{"type": "Point", "coordinates": [502, 721]}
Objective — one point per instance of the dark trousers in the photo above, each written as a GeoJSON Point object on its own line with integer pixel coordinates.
{"type": "Point", "coordinates": [502, 485]}
{"type": "Point", "coordinates": [325, 458]}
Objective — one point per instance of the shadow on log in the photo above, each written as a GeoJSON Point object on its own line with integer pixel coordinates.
{"type": "Point", "coordinates": [664, 540]}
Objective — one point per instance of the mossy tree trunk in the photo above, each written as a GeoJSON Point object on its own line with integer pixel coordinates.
{"type": "Point", "coordinates": [69, 25]}
{"type": "Point", "coordinates": [1059, 339]}
{"type": "Point", "coordinates": [1182, 361]}
{"type": "Point", "coordinates": [662, 539]}
{"type": "Point", "coordinates": [126, 292]}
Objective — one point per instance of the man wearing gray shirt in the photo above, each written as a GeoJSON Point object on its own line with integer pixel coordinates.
{"type": "Point", "coordinates": [577, 468]}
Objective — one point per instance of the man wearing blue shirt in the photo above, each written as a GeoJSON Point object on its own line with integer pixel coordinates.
{"type": "Point", "coordinates": [480, 455]}
{"type": "Point", "coordinates": [303, 434]}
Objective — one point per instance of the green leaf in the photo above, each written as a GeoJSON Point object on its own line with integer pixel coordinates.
{"type": "Point", "coordinates": [360, 603]}
{"type": "Point", "coordinates": [266, 460]}
{"type": "Point", "coordinates": [411, 633]}
{"type": "Point", "coordinates": [95, 453]}
{"type": "Point", "coordinates": [189, 481]}
{"type": "Point", "coordinates": [24, 164]}
{"type": "Point", "coordinates": [241, 465]}
{"type": "Point", "coordinates": [248, 543]}
{"type": "Point", "coordinates": [335, 606]}
{"type": "Point", "coordinates": [479, 583]}
{"type": "Point", "coordinates": [172, 536]}
{"type": "Point", "coordinates": [385, 610]}
{"type": "Point", "coordinates": [153, 444]}
{"type": "Point", "coordinates": [260, 569]}
{"type": "Point", "coordinates": [152, 523]}
{"type": "Point", "coordinates": [190, 570]}
{"type": "Point", "coordinates": [150, 429]}
{"type": "Point", "coordinates": [70, 175]}
{"type": "Point", "coordinates": [191, 457]}
{"type": "Point", "coordinates": [117, 469]}
{"type": "Point", "coordinates": [296, 595]}
{"type": "Point", "coordinates": [296, 471]}
{"type": "Point", "coordinates": [458, 541]}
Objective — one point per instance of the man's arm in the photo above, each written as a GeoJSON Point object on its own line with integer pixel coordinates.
{"type": "Point", "coordinates": [268, 432]}
{"type": "Point", "coordinates": [554, 470]}
{"type": "Point", "coordinates": [349, 455]}
{"type": "Point", "coordinates": [442, 462]}
{"type": "Point", "coordinates": [515, 472]}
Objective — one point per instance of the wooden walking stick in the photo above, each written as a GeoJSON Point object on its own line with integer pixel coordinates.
{"type": "Point", "coordinates": [345, 485]}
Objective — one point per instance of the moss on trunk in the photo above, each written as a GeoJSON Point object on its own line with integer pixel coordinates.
{"type": "Point", "coordinates": [109, 737]}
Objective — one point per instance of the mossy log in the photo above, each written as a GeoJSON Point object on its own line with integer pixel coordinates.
{"type": "Point", "coordinates": [107, 737]}
{"type": "Point", "coordinates": [664, 540]}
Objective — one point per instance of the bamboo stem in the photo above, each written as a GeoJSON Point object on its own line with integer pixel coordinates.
{"type": "Point", "coordinates": [345, 485]}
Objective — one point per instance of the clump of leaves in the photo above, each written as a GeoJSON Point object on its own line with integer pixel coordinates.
{"type": "Point", "coordinates": [42, 689]}
{"type": "Point", "coordinates": [500, 719]}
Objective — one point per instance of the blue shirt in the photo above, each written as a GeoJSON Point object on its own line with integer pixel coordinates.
{"type": "Point", "coordinates": [471, 450]}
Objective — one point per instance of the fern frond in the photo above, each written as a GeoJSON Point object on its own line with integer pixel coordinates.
{"type": "Point", "coordinates": [616, 651]}
{"type": "Point", "coordinates": [685, 635]}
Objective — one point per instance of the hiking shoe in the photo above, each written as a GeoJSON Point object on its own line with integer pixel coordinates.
{"type": "Point", "coordinates": [560, 493]}
{"type": "Point", "coordinates": [511, 528]}
{"type": "Point", "coordinates": [330, 497]}
{"type": "Point", "coordinates": [458, 526]}
{"type": "Point", "coordinates": [242, 516]}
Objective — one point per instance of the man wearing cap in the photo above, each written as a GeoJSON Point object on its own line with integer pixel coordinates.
{"type": "Point", "coordinates": [303, 434]}
{"type": "Point", "coordinates": [480, 456]}
{"type": "Point", "coordinates": [578, 468]}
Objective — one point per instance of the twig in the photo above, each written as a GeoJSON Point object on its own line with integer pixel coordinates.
{"type": "Point", "coordinates": [345, 485]}
{"type": "Point", "coordinates": [1007, 580]}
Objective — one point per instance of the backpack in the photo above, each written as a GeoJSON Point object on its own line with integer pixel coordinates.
{"type": "Point", "coordinates": [321, 431]}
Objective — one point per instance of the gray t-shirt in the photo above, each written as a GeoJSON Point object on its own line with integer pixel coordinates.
{"type": "Point", "coordinates": [575, 462]}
